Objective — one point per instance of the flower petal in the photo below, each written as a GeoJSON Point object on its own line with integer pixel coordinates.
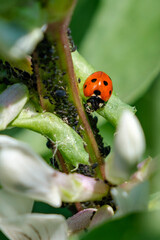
{"type": "Point", "coordinates": [129, 139]}
{"type": "Point", "coordinates": [35, 227]}
{"type": "Point", "coordinates": [12, 204]}
{"type": "Point", "coordinates": [133, 200]}
{"type": "Point", "coordinates": [104, 213]}
{"type": "Point", "coordinates": [80, 220]}
{"type": "Point", "coordinates": [26, 44]}
{"type": "Point", "coordinates": [83, 188]}
{"type": "Point", "coordinates": [129, 147]}
{"type": "Point", "coordinates": [24, 172]}
{"type": "Point", "coordinates": [12, 101]}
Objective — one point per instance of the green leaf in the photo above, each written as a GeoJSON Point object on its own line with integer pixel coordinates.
{"type": "Point", "coordinates": [123, 40]}
{"type": "Point", "coordinates": [154, 203]}
{"type": "Point", "coordinates": [114, 107]}
{"type": "Point", "coordinates": [134, 226]}
{"type": "Point", "coordinates": [149, 116]}
{"type": "Point", "coordinates": [68, 142]}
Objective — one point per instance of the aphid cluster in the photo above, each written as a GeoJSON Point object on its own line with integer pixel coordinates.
{"type": "Point", "coordinates": [10, 75]}
{"type": "Point", "coordinates": [86, 170]}
{"type": "Point", "coordinates": [73, 47]}
{"type": "Point", "coordinates": [107, 200]}
{"type": "Point", "coordinates": [54, 83]}
{"type": "Point", "coordinates": [104, 150]}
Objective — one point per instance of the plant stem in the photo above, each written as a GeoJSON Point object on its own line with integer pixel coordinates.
{"type": "Point", "coordinates": [57, 33]}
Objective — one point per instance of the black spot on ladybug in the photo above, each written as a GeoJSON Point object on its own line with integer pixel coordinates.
{"type": "Point", "coordinates": [105, 83]}
{"type": "Point", "coordinates": [94, 80]}
{"type": "Point", "coordinates": [110, 92]}
{"type": "Point", "coordinates": [85, 86]}
{"type": "Point", "coordinates": [60, 93]}
{"type": "Point", "coordinates": [97, 92]}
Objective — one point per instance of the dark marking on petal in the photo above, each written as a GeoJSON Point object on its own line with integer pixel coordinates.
{"type": "Point", "coordinates": [36, 231]}
{"type": "Point", "coordinates": [24, 235]}
{"type": "Point", "coordinates": [105, 83]}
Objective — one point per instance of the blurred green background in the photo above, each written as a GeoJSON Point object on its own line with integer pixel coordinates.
{"type": "Point", "coordinates": [122, 38]}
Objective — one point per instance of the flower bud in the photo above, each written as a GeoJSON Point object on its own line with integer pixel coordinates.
{"type": "Point", "coordinates": [12, 101]}
{"type": "Point", "coordinates": [129, 139]}
{"type": "Point", "coordinates": [129, 147]}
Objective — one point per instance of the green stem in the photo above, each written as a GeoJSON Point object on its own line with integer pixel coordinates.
{"type": "Point", "coordinates": [57, 33]}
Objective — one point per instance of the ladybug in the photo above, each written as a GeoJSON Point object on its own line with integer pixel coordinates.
{"type": "Point", "coordinates": [98, 86]}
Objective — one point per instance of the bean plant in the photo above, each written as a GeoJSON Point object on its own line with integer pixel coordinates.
{"type": "Point", "coordinates": [68, 171]}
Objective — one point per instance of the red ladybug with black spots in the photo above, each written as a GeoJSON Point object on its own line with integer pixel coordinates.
{"type": "Point", "coordinates": [98, 87]}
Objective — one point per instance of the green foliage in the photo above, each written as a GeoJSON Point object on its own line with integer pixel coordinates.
{"type": "Point", "coordinates": [148, 111]}
{"type": "Point", "coordinates": [122, 40]}
{"type": "Point", "coordinates": [134, 226]}
{"type": "Point", "coordinates": [64, 138]}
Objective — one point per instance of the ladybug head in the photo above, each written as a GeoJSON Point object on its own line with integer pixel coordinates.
{"type": "Point", "coordinates": [94, 103]}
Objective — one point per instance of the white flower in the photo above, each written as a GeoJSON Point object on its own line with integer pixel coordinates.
{"type": "Point", "coordinates": [26, 44]}
{"type": "Point", "coordinates": [129, 146]}
{"type": "Point", "coordinates": [12, 101]}
{"type": "Point", "coordinates": [24, 172]}
{"type": "Point", "coordinates": [25, 177]}
{"type": "Point", "coordinates": [17, 222]}
{"type": "Point", "coordinates": [129, 139]}
{"type": "Point", "coordinates": [12, 204]}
